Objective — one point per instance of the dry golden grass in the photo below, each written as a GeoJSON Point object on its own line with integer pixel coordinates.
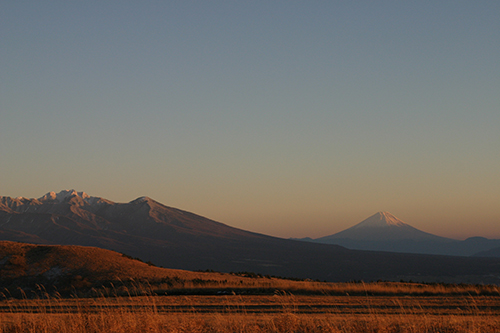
{"type": "Point", "coordinates": [233, 314]}
{"type": "Point", "coordinates": [229, 283]}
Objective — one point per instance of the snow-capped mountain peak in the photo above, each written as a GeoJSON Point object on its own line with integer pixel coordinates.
{"type": "Point", "coordinates": [140, 199]}
{"type": "Point", "coordinates": [381, 220]}
{"type": "Point", "coordinates": [64, 195]}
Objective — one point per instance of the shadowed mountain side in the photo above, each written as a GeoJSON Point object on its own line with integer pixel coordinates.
{"type": "Point", "coordinates": [332, 263]}
{"type": "Point", "coordinates": [178, 239]}
{"type": "Point", "coordinates": [495, 252]}
{"type": "Point", "coordinates": [456, 248]}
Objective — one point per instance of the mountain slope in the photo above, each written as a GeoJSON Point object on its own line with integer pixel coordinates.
{"type": "Point", "coordinates": [494, 252]}
{"type": "Point", "coordinates": [178, 239]}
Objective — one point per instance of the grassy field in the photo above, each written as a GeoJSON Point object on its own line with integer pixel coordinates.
{"type": "Point", "coordinates": [70, 289]}
{"type": "Point", "coordinates": [300, 306]}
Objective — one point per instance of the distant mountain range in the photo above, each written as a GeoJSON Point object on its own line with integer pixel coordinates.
{"type": "Point", "coordinates": [385, 232]}
{"type": "Point", "coordinates": [178, 239]}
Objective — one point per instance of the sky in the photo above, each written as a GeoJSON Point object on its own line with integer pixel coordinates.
{"type": "Point", "coordinates": [288, 118]}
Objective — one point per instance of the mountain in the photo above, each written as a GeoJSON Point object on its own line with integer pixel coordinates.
{"type": "Point", "coordinates": [179, 239]}
{"type": "Point", "coordinates": [75, 218]}
{"type": "Point", "coordinates": [384, 226]}
{"type": "Point", "coordinates": [385, 232]}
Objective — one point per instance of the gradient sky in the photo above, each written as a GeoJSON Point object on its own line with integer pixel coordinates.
{"type": "Point", "coordinates": [290, 118]}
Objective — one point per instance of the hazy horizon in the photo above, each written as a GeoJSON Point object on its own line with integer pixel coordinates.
{"type": "Point", "coordinates": [80, 193]}
{"type": "Point", "coordinates": [292, 119]}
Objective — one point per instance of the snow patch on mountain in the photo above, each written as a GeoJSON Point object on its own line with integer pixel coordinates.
{"type": "Point", "coordinates": [142, 199]}
{"type": "Point", "coordinates": [380, 220]}
{"type": "Point", "coordinates": [66, 195]}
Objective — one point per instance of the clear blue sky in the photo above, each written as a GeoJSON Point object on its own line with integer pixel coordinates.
{"type": "Point", "coordinates": [290, 118]}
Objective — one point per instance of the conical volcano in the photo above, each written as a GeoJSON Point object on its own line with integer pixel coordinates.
{"type": "Point", "coordinates": [383, 226]}
{"type": "Point", "coordinates": [385, 232]}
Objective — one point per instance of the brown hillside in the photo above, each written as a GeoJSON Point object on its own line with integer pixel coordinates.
{"type": "Point", "coordinates": [25, 265]}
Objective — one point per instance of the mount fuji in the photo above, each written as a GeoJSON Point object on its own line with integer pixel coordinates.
{"type": "Point", "coordinates": [385, 232]}
{"type": "Point", "coordinates": [383, 226]}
